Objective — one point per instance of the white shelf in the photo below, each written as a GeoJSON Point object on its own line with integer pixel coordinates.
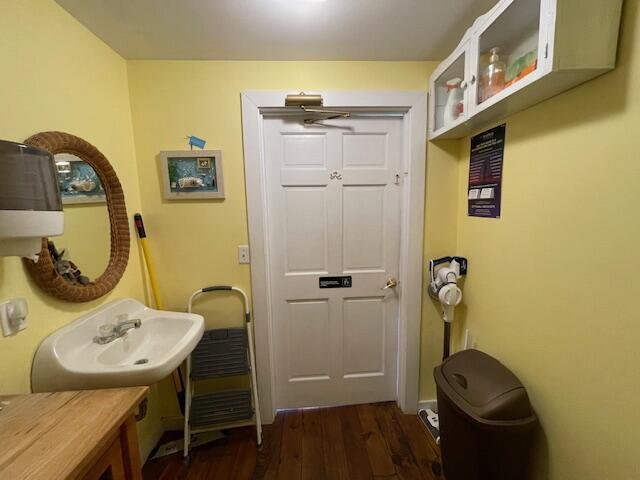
{"type": "Point", "coordinates": [575, 41]}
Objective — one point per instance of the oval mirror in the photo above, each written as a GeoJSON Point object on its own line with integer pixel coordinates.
{"type": "Point", "coordinates": [88, 260]}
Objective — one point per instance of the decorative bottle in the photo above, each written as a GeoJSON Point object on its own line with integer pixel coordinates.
{"type": "Point", "coordinates": [493, 77]}
{"type": "Point", "coordinates": [455, 96]}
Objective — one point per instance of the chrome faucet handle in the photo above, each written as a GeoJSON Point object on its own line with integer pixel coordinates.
{"type": "Point", "coordinates": [106, 329]}
{"type": "Point", "coordinates": [110, 332]}
{"type": "Point", "coordinates": [106, 333]}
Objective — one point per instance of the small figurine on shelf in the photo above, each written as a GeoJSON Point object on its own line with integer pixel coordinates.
{"type": "Point", "coordinates": [492, 80]}
{"type": "Point", "coordinates": [455, 101]}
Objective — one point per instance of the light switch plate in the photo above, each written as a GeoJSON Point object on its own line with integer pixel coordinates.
{"type": "Point", "coordinates": [13, 316]}
{"type": "Point", "coordinates": [243, 254]}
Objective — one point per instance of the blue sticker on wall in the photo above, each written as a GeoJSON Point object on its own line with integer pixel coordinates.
{"type": "Point", "coordinates": [196, 142]}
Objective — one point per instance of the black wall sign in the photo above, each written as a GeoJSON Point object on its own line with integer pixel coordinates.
{"type": "Point", "coordinates": [335, 282]}
{"type": "Point", "coordinates": [485, 173]}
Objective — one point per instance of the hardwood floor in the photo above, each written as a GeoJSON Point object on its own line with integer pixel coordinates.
{"type": "Point", "coordinates": [373, 441]}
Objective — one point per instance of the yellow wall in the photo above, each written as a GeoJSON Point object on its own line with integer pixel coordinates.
{"type": "Point", "coordinates": [552, 285]}
{"type": "Point", "coordinates": [439, 241]}
{"type": "Point", "coordinates": [196, 241]}
{"type": "Point", "coordinates": [56, 75]}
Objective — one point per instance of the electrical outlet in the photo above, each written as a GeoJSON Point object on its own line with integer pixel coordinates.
{"type": "Point", "coordinates": [243, 254]}
{"type": "Point", "coordinates": [13, 316]}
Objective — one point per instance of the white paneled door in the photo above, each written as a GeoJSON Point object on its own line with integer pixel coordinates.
{"type": "Point", "coordinates": [333, 196]}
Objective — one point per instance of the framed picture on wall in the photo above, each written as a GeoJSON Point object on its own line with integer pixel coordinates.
{"type": "Point", "coordinates": [78, 181]}
{"type": "Point", "coordinates": [192, 174]}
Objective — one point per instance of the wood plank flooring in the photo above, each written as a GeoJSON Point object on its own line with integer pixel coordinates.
{"type": "Point", "coordinates": [373, 441]}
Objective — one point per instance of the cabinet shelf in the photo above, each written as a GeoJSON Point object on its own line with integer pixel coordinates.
{"type": "Point", "coordinates": [548, 47]}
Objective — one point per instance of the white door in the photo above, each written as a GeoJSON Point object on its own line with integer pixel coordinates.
{"type": "Point", "coordinates": [333, 196]}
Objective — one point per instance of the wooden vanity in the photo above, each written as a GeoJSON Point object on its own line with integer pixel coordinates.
{"type": "Point", "coordinates": [71, 435]}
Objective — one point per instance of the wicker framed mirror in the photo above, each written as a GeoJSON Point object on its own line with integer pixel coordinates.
{"type": "Point", "coordinates": [53, 273]}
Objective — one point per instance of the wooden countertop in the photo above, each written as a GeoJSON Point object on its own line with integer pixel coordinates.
{"type": "Point", "coordinates": [58, 435]}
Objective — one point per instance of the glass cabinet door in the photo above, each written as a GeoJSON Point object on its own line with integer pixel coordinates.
{"type": "Point", "coordinates": [449, 92]}
{"type": "Point", "coordinates": [510, 47]}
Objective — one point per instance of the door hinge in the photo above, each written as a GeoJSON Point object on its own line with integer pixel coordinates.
{"type": "Point", "coordinates": [546, 51]}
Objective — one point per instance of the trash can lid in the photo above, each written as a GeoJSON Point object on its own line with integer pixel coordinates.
{"type": "Point", "coordinates": [482, 387]}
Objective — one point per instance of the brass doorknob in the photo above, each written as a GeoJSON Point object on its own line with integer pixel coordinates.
{"type": "Point", "coordinates": [391, 283]}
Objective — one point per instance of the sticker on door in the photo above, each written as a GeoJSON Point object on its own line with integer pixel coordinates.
{"type": "Point", "coordinates": [335, 282]}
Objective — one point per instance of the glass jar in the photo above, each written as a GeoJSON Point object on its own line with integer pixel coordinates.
{"type": "Point", "coordinates": [492, 79]}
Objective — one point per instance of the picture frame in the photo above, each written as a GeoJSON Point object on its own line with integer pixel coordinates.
{"type": "Point", "coordinates": [192, 174]}
{"type": "Point", "coordinates": [78, 181]}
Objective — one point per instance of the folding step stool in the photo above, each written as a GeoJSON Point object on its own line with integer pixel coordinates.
{"type": "Point", "coordinates": [221, 353]}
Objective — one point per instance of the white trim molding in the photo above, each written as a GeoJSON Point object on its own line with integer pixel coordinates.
{"type": "Point", "coordinates": [428, 405]}
{"type": "Point", "coordinates": [412, 105]}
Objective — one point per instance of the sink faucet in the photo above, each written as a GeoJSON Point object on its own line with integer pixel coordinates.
{"type": "Point", "coordinates": [110, 332]}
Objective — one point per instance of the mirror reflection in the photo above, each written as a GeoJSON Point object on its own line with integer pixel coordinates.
{"type": "Point", "coordinates": [82, 253]}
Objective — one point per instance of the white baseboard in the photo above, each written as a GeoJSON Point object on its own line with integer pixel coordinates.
{"type": "Point", "coordinates": [428, 404]}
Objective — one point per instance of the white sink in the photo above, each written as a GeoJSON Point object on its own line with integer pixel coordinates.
{"type": "Point", "coordinates": [69, 359]}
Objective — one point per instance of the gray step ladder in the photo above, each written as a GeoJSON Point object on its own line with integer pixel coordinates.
{"type": "Point", "coordinates": [220, 353]}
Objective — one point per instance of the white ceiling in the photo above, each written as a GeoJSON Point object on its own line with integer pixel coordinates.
{"type": "Point", "coordinates": [279, 29]}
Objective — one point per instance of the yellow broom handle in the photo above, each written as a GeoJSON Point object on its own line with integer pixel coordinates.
{"type": "Point", "coordinates": [149, 261]}
{"type": "Point", "coordinates": [152, 273]}
{"type": "Point", "coordinates": [153, 278]}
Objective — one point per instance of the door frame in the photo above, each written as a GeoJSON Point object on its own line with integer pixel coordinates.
{"type": "Point", "coordinates": [412, 105]}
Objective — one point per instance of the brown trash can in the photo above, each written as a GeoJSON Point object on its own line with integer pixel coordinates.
{"type": "Point", "coordinates": [486, 419]}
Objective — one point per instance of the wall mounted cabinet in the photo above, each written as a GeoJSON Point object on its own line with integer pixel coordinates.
{"type": "Point", "coordinates": [547, 46]}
